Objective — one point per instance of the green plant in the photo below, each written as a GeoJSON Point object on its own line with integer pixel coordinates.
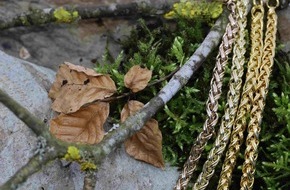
{"type": "Point", "coordinates": [273, 166]}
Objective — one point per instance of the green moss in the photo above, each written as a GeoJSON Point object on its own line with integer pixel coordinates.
{"type": "Point", "coordinates": [24, 20]}
{"type": "Point", "coordinates": [65, 16]}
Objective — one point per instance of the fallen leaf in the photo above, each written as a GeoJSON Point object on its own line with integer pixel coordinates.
{"type": "Point", "coordinates": [24, 53]}
{"type": "Point", "coordinates": [145, 145]}
{"type": "Point", "coordinates": [130, 108]}
{"type": "Point", "coordinates": [137, 78]}
{"type": "Point", "coordinates": [87, 71]}
{"type": "Point", "coordinates": [75, 86]}
{"type": "Point", "coordinates": [83, 126]}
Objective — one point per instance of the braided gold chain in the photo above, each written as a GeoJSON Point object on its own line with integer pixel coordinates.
{"type": "Point", "coordinates": [252, 142]}
{"type": "Point", "coordinates": [212, 102]}
{"type": "Point", "coordinates": [233, 98]}
{"type": "Point", "coordinates": [257, 13]}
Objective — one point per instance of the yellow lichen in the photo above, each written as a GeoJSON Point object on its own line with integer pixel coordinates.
{"type": "Point", "coordinates": [73, 154]}
{"type": "Point", "coordinates": [63, 15]}
{"type": "Point", "coordinates": [88, 166]}
{"type": "Point", "coordinates": [195, 10]}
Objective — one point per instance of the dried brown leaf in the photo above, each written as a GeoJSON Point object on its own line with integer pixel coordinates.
{"type": "Point", "coordinates": [87, 71]}
{"type": "Point", "coordinates": [75, 86]}
{"type": "Point", "coordinates": [83, 126]}
{"type": "Point", "coordinates": [130, 108]}
{"type": "Point", "coordinates": [137, 78]}
{"type": "Point", "coordinates": [145, 145]}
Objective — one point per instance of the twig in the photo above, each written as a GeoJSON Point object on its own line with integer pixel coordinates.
{"type": "Point", "coordinates": [114, 98]}
{"type": "Point", "coordinates": [163, 78]}
{"type": "Point", "coordinates": [34, 164]}
{"type": "Point", "coordinates": [44, 16]}
{"type": "Point", "coordinates": [36, 125]}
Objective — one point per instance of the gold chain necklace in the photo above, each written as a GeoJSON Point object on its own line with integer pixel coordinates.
{"type": "Point", "coordinates": [256, 35]}
{"type": "Point", "coordinates": [255, 92]}
{"type": "Point", "coordinates": [233, 98]}
{"type": "Point", "coordinates": [261, 89]}
{"type": "Point", "coordinates": [212, 102]}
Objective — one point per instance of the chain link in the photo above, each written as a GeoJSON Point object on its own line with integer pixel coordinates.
{"type": "Point", "coordinates": [233, 98]}
{"type": "Point", "coordinates": [247, 97]}
{"type": "Point", "coordinates": [212, 102]}
{"type": "Point", "coordinates": [252, 142]}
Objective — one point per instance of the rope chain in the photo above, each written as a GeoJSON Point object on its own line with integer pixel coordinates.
{"type": "Point", "coordinates": [212, 102]}
{"type": "Point", "coordinates": [252, 142]}
{"type": "Point", "coordinates": [233, 97]}
{"type": "Point", "coordinates": [247, 97]}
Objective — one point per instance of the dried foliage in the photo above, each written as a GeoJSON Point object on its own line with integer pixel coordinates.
{"type": "Point", "coordinates": [84, 126]}
{"type": "Point", "coordinates": [76, 86]}
{"type": "Point", "coordinates": [145, 145]}
{"type": "Point", "coordinates": [81, 121]}
{"type": "Point", "coordinates": [130, 108]}
{"type": "Point", "coordinates": [137, 78]}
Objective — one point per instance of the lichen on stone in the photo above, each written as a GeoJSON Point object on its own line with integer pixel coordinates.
{"type": "Point", "coordinates": [193, 10]}
{"type": "Point", "coordinates": [63, 15]}
{"type": "Point", "coordinates": [73, 154]}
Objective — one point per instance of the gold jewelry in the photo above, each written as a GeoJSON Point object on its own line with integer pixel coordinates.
{"type": "Point", "coordinates": [255, 91]}
{"type": "Point", "coordinates": [233, 98]}
{"type": "Point", "coordinates": [212, 102]}
{"type": "Point", "coordinates": [261, 89]}
{"type": "Point", "coordinates": [240, 125]}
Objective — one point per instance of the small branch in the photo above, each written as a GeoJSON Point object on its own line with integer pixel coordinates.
{"type": "Point", "coordinates": [44, 16]}
{"type": "Point", "coordinates": [37, 126]}
{"type": "Point", "coordinates": [163, 78]}
{"type": "Point", "coordinates": [90, 181]}
{"type": "Point", "coordinates": [33, 165]}
{"type": "Point", "coordinates": [114, 98]}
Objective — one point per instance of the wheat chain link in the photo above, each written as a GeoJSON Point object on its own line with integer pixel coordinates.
{"type": "Point", "coordinates": [212, 102]}
{"type": "Point", "coordinates": [257, 13]}
{"type": "Point", "coordinates": [252, 141]}
{"type": "Point", "coordinates": [233, 98]}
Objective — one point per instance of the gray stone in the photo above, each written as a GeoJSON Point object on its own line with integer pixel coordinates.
{"type": "Point", "coordinates": [135, 174]}
{"type": "Point", "coordinates": [28, 84]}
{"type": "Point", "coordinates": [81, 43]}
{"type": "Point", "coordinates": [284, 29]}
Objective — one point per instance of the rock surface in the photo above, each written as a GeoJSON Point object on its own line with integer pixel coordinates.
{"type": "Point", "coordinates": [284, 28]}
{"type": "Point", "coordinates": [28, 84]}
{"type": "Point", "coordinates": [82, 43]}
